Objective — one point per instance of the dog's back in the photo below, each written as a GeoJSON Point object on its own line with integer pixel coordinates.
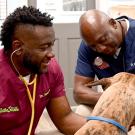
{"type": "Point", "coordinates": [117, 103]}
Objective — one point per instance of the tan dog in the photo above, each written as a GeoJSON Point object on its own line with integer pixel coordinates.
{"type": "Point", "coordinates": [117, 103]}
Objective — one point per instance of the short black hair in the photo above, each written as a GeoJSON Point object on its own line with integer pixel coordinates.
{"type": "Point", "coordinates": [22, 15]}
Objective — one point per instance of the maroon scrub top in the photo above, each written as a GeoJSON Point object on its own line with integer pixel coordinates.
{"type": "Point", "coordinates": [15, 108]}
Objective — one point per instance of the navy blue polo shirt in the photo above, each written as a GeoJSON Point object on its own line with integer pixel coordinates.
{"type": "Point", "coordinates": [110, 66]}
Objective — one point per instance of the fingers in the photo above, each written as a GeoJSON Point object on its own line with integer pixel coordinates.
{"type": "Point", "coordinates": [94, 83]}
{"type": "Point", "coordinates": [105, 82]}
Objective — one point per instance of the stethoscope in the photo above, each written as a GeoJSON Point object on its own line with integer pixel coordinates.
{"type": "Point", "coordinates": [31, 97]}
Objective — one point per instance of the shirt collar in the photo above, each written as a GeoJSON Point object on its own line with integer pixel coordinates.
{"type": "Point", "coordinates": [118, 50]}
{"type": "Point", "coordinates": [117, 53]}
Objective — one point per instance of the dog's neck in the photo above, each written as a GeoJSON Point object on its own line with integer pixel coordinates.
{"type": "Point", "coordinates": [121, 109]}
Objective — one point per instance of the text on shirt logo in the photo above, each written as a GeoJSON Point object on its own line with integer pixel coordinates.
{"type": "Point", "coordinates": [9, 109]}
{"type": "Point", "coordinates": [132, 64]}
{"type": "Point", "coordinates": [45, 94]}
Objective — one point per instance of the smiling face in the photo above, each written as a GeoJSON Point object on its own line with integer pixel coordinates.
{"type": "Point", "coordinates": [36, 45]}
{"type": "Point", "coordinates": [101, 33]}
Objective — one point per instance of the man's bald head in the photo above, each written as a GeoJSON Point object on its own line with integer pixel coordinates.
{"type": "Point", "coordinates": [91, 21]}
{"type": "Point", "coordinates": [100, 32]}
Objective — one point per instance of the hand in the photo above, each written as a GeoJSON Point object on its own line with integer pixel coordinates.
{"type": "Point", "coordinates": [105, 82]}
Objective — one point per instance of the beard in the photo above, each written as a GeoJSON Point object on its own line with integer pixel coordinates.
{"type": "Point", "coordinates": [30, 64]}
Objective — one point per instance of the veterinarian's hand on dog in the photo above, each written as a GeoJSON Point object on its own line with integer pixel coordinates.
{"type": "Point", "coordinates": [105, 83]}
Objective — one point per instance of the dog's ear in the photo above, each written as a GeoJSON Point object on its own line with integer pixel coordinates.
{"type": "Point", "coordinates": [105, 83]}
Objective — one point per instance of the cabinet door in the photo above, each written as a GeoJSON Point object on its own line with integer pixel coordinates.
{"type": "Point", "coordinates": [66, 46]}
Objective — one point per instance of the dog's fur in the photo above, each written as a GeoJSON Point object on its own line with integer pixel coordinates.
{"type": "Point", "coordinates": [117, 102]}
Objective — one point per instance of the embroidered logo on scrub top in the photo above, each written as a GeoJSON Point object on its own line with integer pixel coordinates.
{"type": "Point", "coordinates": [100, 63]}
{"type": "Point", "coordinates": [45, 93]}
{"type": "Point", "coordinates": [132, 64]}
{"type": "Point", "coordinates": [9, 109]}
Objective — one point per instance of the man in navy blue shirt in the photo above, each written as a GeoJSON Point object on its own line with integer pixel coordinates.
{"type": "Point", "coordinates": [107, 48]}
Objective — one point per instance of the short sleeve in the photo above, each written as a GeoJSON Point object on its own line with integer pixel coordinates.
{"type": "Point", "coordinates": [56, 79]}
{"type": "Point", "coordinates": [84, 61]}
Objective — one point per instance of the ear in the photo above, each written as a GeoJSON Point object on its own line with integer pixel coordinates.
{"type": "Point", "coordinates": [17, 46]}
{"type": "Point", "coordinates": [113, 23]}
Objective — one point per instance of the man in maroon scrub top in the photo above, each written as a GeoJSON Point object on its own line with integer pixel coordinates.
{"type": "Point", "coordinates": [30, 77]}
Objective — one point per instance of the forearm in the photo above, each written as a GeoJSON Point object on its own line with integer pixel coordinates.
{"type": "Point", "coordinates": [85, 95]}
{"type": "Point", "coordinates": [71, 123]}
